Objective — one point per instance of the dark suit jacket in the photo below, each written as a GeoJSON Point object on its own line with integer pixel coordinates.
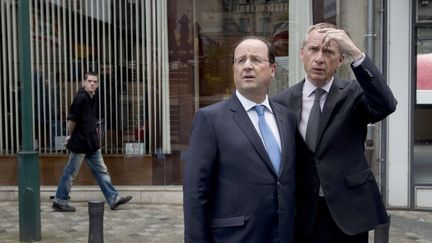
{"type": "Point", "coordinates": [231, 192]}
{"type": "Point", "coordinates": [339, 163]}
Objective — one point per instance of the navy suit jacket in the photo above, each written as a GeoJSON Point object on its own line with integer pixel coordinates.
{"type": "Point", "coordinates": [339, 163]}
{"type": "Point", "coordinates": [231, 192]}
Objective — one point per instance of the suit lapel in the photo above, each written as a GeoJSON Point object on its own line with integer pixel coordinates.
{"type": "Point", "coordinates": [242, 119]}
{"type": "Point", "coordinates": [295, 102]}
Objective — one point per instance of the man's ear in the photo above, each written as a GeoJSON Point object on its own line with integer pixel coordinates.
{"type": "Point", "coordinates": [273, 70]}
{"type": "Point", "coordinates": [301, 54]}
{"type": "Point", "coordinates": [341, 60]}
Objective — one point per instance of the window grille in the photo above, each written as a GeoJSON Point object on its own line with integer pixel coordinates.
{"type": "Point", "coordinates": [125, 42]}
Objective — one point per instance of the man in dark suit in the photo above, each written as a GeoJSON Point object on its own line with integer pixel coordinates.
{"type": "Point", "coordinates": [338, 199]}
{"type": "Point", "coordinates": [239, 182]}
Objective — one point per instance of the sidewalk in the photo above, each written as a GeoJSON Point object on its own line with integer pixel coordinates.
{"type": "Point", "coordinates": [132, 222]}
{"type": "Point", "coordinates": [162, 223]}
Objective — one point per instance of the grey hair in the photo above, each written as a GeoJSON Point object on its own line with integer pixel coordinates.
{"type": "Point", "coordinates": [323, 25]}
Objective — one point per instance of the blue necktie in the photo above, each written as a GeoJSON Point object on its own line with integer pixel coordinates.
{"type": "Point", "coordinates": [270, 142]}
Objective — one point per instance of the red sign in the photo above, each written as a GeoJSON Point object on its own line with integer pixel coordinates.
{"type": "Point", "coordinates": [424, 71]}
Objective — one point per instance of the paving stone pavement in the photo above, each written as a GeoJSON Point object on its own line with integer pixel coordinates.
{"type": "Point", "coordinates": [132, 222]}
{"type": "Point", "coordinates": [163, 223]}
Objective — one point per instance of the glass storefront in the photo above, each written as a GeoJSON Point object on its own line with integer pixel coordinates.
{"type": "Point", "coordinates": [158, 62]}
{"type": "Point", "coordinates": [109, 37]}
{"type": "Point", "coordinates": [422, 153]}
{"type": "Point", "coordinates": [205, 34]}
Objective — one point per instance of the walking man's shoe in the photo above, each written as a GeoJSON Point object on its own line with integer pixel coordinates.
{"type": "Point", "coordinates": [62, 208]}
{"type": "Point", "coordinates": [121, 201]}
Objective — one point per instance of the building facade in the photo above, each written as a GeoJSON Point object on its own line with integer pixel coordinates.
{"type": "Point", "coordinates": [160, 61]}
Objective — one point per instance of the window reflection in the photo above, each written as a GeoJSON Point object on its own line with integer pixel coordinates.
{"type": "Point", "coordinates": [238, 19]}
{"type": "Point", "coordinates": [202, 35]}
{"type": "Point", "coordinates": [423, 110]}
{"type": "Point", "coordinates": [424, 11]}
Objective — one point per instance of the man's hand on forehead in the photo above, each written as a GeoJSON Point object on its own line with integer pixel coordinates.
{"type": "Point", "coordinates": [346, 45]}
{"type": "Point", "coordinates": [336, 35]}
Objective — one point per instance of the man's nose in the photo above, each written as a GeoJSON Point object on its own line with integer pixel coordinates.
{"type": "Point", "coordinates": [248, 64]}
{"type": "Point", "coordinates": [319, 57]}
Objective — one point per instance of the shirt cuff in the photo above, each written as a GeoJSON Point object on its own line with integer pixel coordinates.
{"type": "Point", "coordinates": [357, 62]}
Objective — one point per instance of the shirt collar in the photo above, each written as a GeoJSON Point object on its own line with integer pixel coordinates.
{"type": "Point", "coordinates": [309, 87]}
{"type": "Point", "coordinates": [248, 104]}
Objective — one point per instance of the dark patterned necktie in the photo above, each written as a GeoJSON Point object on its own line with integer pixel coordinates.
{"type": "Point", "coordinates": [313, 122]}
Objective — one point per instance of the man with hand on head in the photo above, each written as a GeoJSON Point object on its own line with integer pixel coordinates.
{"type": "Point", "coordinates": [338, 200]}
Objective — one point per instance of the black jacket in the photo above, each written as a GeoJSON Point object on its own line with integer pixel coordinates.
{"type": "Point", "coordinates": [84, 138]}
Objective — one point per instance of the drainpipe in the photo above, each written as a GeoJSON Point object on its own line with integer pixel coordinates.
{"type": "Point", "coordinates": [370, 35]}
{"type": "Point", "coordinates": [381, 233]}
{"type": "Point", "coordinates": [370, 29]}
{"type": "Point", "coordinates": [383, 134]}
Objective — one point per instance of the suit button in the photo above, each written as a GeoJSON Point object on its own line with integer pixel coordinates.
{"type": "Point", "coordinates": [317, 161]}
{"type": "Point", "coordinates": [278, 184]}
{"type": "Point", "coordinates": [369, 73]}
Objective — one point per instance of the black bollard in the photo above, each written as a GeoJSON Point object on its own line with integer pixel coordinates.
{"type": "Point", "coordinates": [381, 234]}
{"type": "Point", "coordinates": [96, 212]}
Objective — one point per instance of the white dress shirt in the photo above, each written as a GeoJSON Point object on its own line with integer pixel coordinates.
{"type": "Point", "coordinates": [268, 115]}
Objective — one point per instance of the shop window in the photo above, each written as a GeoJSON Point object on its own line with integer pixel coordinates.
{"type": "Point", "coordinates": [424, 11]}
{"type": "Point", "coordinates": [422, 166]}
{"type": "Point", "coordinates": [324, 11]}
{"type": "Point", "coordinates": [110, 38]}
{"type": "Point", "coordinates": [221, 25]}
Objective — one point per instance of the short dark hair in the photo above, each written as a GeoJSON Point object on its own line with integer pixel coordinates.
{"type": "Point", "coordinates": [270, 48]}
{"type": "Point", "coordinates": [90, 73]}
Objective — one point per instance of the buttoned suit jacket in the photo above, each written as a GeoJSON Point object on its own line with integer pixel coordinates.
{"type": "Point", "coordinates": [231, 191]}
{"type": "Point", "coordinates": [339, 162]}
